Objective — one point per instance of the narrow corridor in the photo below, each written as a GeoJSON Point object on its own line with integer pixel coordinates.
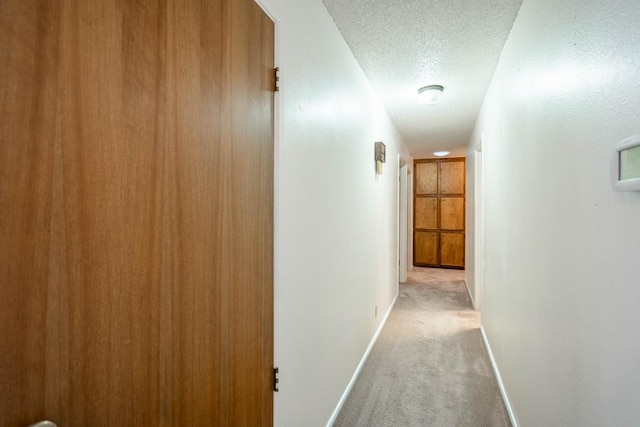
{"type": "Point", "coordinates": [429, 366]}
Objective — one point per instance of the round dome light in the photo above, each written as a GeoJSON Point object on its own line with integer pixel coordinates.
{"type": "Point", "coordinates": [431, 94]}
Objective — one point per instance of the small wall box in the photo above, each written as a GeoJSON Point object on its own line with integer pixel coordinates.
{"type": "Point", "coordinates": [380, 155]}
{"type": "Point", "coordinates": [625, 164]}
{"type": "Point", "coordinates": [380, 152]}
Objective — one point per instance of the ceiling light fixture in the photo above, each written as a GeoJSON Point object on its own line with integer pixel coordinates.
{"type": "Point", "coordinates": [441, 153]}
{"type": "Point", "coordinates": [431, 94]}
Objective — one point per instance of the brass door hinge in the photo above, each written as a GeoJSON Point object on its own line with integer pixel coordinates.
{"type": "Point", "coordinates": [276, 72]}
{"type": "Point", "coordinates": [276, 380]}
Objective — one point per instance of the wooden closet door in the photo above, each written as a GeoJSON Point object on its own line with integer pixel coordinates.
{"type": "Point", "coordinates": [452, 186]}
{"type": "Point", "coordinates": [219, 233]}
{"type": "Point", "coordinates": [439, 213]}
{"type": "Point", "coordinates": [136, 180]}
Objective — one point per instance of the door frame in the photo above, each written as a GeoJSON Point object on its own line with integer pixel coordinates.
{"type": "Point", "coordinates": [403, 219]}
{"type": "Point", "coordinates": [479, 227]}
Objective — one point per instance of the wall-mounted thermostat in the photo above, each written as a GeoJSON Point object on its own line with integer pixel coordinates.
{"type": "Point", "coordinates": [625, 164]}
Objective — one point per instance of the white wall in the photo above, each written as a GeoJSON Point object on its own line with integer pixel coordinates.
{"type": "Point", "coordinates": [470, 235]}
{"type": "Point", "coordinates": [336, 221]}
{"type": "Point", "coordinates": [472, 240]}
{"type": "Point", "coordinates": [562, 249]}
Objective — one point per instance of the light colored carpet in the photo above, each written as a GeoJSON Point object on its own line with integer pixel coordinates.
{"type": "Point", "coordinates": [429, 366]}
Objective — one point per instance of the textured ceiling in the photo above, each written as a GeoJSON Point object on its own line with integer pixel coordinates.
{"type": "Point", "coordinates": [403, 45]}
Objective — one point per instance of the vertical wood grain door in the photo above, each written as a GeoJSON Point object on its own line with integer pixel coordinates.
{"type": "Point", "coordinates": [136, 213]}
{"type": "Point", "coordinates": [439, 212]}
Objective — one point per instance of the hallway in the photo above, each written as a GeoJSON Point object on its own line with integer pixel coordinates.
{"type": "Point", "coordinates": [429, 366]}
{"type": "Point", "coordinates": [149, 250]}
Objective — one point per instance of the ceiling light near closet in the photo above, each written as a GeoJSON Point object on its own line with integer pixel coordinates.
{"type": "Point", "coordinates": [431, 94]}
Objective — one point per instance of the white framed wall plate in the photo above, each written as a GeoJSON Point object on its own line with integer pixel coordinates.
{"type": "Point", "coordinates": [625, 164]}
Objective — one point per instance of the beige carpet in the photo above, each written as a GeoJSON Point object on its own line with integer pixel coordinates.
{"type": "Point", "coordinates": [429, 366]}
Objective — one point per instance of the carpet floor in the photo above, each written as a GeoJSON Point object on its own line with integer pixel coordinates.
{"type": "Point", "coordinates": [429, 366]}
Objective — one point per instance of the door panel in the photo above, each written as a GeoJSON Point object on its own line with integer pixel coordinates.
{"type": "Point", "coordinates": [452, 177]}
{"type": "Point", "coordinates": [137, 180]}
{"type": "Point", "coordinates": [426, 213]}
{"type": "Point", "coordinates": [452, 213]}
{"type": "Point", "coordinates": [426, 247]}
{"type": "Point", "coordinates": [426, 178]}
{"type": "Point", "coordinates": [452, 249]}
{"type": "Point", "coordinates": [27, 111]}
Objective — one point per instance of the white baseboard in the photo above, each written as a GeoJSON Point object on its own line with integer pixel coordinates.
{"type": "Point", "coordinates": [360, 365]}
{"type": "Point", "coordinates": [473, 302]}
{"type": "Point", "coordinates": [503, 391]}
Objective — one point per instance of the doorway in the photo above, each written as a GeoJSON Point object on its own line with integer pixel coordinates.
{"type": "Point", "coordinates": [403, 220]}
{"type": "Point", "coordinates": [479, 228]}
{"type": "Point", "coordinates": [439, 217]}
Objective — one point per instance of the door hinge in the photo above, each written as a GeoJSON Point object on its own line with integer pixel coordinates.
{"type": "Point", "coordinates": [276, 379]}
{"type": "Point", "coordinates": [276, 73]}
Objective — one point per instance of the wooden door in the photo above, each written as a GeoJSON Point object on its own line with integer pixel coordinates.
{"type": "Point", "coordinates": [136, 180]}
{"type": "Point", "coordinates": [439, 213]}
